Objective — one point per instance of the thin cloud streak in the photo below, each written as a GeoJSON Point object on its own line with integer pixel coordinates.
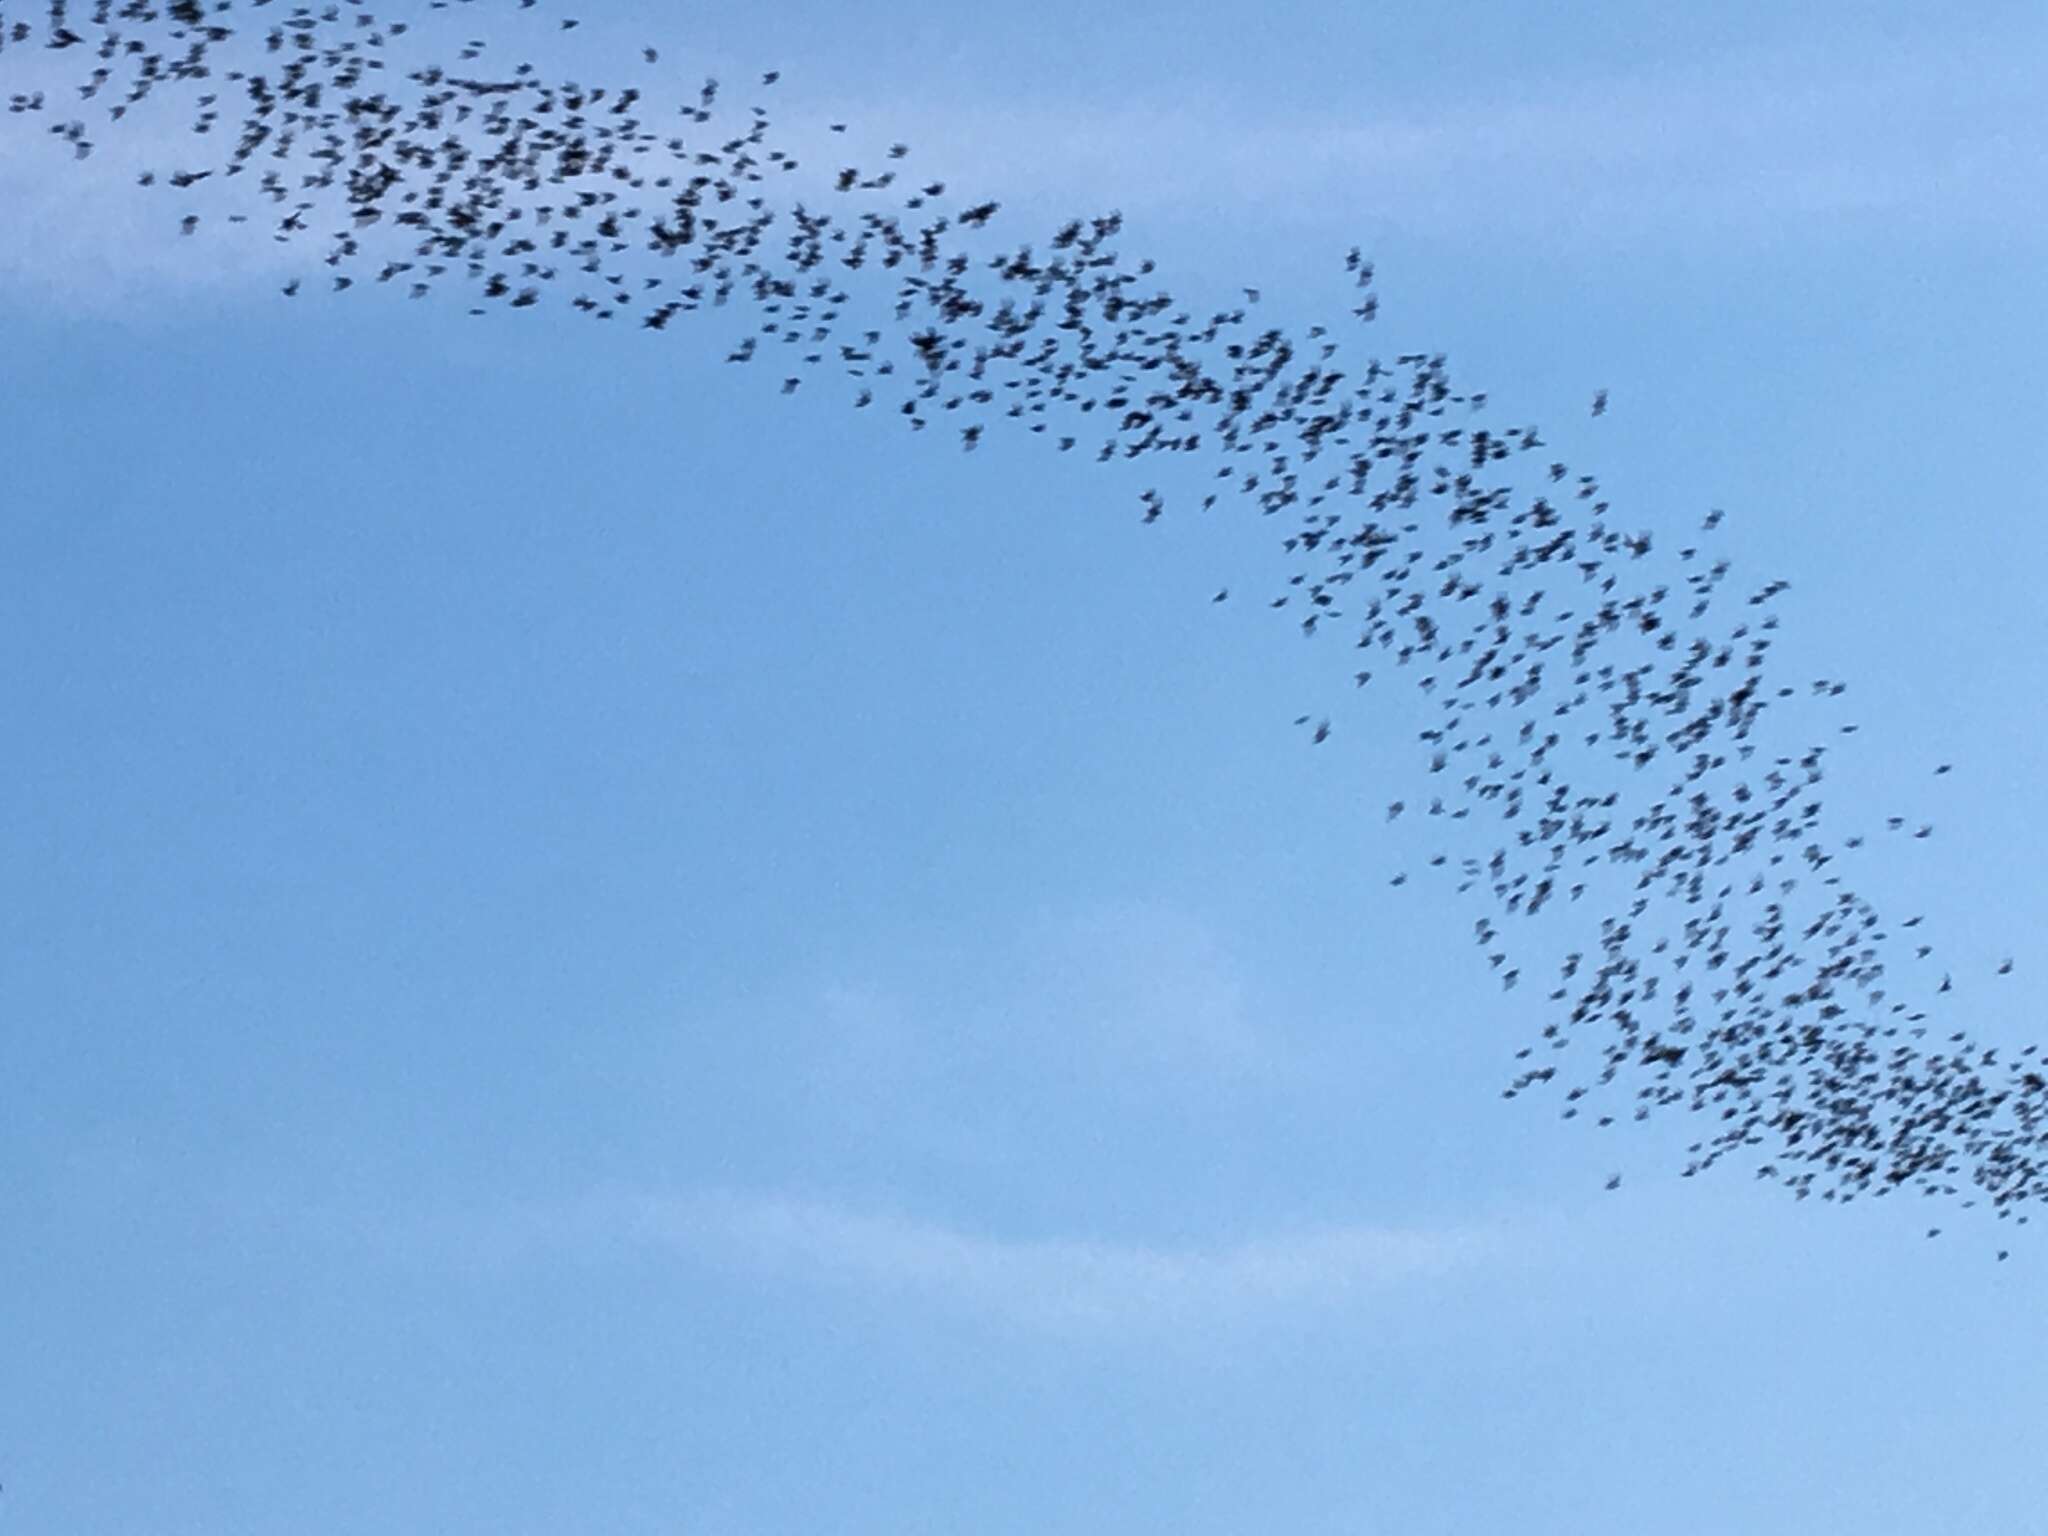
{"type": "Point", "coordinates": [1741, 147]}
{"type": "Point", "coordinates": [1067, 1287]}
{"type": "Point", "coordinates": [1738, 146]}
{"type": "Point", "coordinates": [958, 1044]}
{"type": "Point", "coordinates": [83, 235]}
{"type": "Point", "coordinates": [1082, 1290]}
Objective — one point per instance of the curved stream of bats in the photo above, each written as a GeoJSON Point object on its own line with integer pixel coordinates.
{"type": "Point", "coordinates": [1680, 880]}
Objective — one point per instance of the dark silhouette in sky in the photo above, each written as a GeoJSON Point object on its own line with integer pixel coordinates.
{"type": "Point", "coordinates": [1598, 712]}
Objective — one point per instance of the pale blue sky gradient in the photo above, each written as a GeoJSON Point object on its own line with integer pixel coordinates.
{"type": "Point", "coordinates": [588, 948]}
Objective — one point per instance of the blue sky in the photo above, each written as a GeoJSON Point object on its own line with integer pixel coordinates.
{"type": "Point", "coordinates": [585, 947]}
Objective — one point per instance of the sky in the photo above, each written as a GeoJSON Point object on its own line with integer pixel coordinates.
{"type": "Point", "coordinates": [585, 947]}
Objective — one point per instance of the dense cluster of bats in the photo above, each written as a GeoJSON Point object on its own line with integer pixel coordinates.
{"type": "Point", "coordinates": [1596, 738]}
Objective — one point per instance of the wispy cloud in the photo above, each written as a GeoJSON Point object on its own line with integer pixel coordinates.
{"type": "Point", "coordinates": [1065, 1286]}
{"type": "Point", "coordinates": [84, 234]}
{"type": "Point", "coordinates": [1140, 996]}
{"type": "Point", "coordinates": [1147, 983]}
{"type": "Point", "coordinates": [1950, 138]}
{"type": "Point", "coordinates": [1737, 145]}
{"type": "Point", "coordinates": [1082, 1289]}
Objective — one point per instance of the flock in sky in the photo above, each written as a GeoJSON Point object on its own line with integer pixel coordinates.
{"type": "Point", "coordinates": [1604, 753]}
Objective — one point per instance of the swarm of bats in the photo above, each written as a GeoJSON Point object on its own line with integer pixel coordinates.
{"type": "Point", "coordinates": [1598, 753]}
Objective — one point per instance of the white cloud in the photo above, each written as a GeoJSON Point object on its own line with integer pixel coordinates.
{"type": "Point", "coordinates": [1150, 984]}
{"type": "Point", "coordinates": [1138, 996]}
{"type": "Point", "coordinates": [1064, 1286]}
{"type": "Point", "coordinates": [1078, 1289]}
{"type": "Point", "coordinates": [84, 234]}
{"type": "Point", "coordinates": [1742, 146]}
